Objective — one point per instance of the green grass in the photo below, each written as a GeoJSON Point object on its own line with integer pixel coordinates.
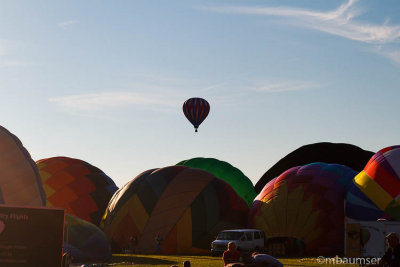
{"type": "Point", "coordinates": [122, 260]}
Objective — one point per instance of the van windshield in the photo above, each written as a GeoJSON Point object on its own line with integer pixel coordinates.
{"type": "Point", "coordinates": [229, 236]}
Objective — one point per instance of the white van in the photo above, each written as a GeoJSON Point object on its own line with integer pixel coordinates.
{"type": "Point", "coordinates": [245, 240]}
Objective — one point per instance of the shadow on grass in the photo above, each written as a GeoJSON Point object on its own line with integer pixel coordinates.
{"type": "Point", "coordinates": [141, 260]}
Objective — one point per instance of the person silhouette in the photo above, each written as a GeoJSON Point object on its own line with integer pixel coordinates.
{"type": "Point", "coordinates": [392, 254]}
{"type": "Point", "coordinates": [132, 243]}
{"type": "Point", "coordinates": [158, 240]}
{"type": "Point", "coordinates": [231, 255]}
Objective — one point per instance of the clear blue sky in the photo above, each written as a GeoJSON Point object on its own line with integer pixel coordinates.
{"type": "Point", "coordinates": [104, 81]}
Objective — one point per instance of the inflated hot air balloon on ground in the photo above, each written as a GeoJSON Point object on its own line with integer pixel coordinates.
{"type": "Point", "coordinates": [82, 189]}
{"type": "Point", "coordinates": [196, 110]}
{"type": "Point", "coordinates": [339, 153]}
{"type": "Point", "coordinates": [305, 202]}
{"type": "Point", "coordinates": [19, 180]}
{"type": "Point", "coordinates": [380, 181]}
{"type": "Point", "coordinates": [85, 241]}
{"type": "Point", "coordinates": [225, 171]}
{"type": "Point", "coordinates": [185, 207]}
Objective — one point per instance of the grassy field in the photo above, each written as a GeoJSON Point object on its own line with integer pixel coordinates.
{"type": "Point", "coordinates": [121, 260]}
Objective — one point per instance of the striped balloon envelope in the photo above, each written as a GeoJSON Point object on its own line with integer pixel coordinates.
{"type": "Point", "coordinates": [196, 110]}
{"type": "Point", "coordinates": [185, 207]}
{"type": "Point", "coordinates": [380, 180]}
{"type": "Point", "coordinates": [80, 188]}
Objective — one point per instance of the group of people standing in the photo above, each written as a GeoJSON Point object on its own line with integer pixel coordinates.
{"type": "Point", "coordinates": [233, 258]}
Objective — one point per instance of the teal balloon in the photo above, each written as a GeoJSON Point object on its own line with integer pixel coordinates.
{"type": "Point", "coordinates": [226, 172]}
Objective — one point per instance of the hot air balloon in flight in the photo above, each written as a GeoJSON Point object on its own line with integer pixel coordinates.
{"type": "Point", "coordinates": [196, 110]}
{"type": "Point", "coordinates": [365, 236]}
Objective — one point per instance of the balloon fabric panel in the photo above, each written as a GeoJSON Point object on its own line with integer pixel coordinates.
{"type": "Point", "coordinates": [132, 216]}
{"type": "Point", "coordinates": [82, 186]}
{"type": "Point", "coordinates": [393, 209]}
{"type": "Point", "coordinates": [185, 186]}
{"type": "Point", "coordinates": [126, 214]}
{"type": "Point", "coordinates": [147, 196]}
{"type": "Point", "coordinates": [384, 177]}
{"type": "Point", "coordinates": [184, 232]}
{"type": "Point", "coordinates": [157, 183]}
{"type": "Point", "coordinates": [360, 207]}
{"type": "Point", "coordinates": [20, 182]}
{"type": "Point", "coordinates": [123, 194]}
{"type": "Point", "coordinates": [199, 219]}
{"type": "Point", "coordinates": [393, 161]}
{"type": "Point", "coordinates": [90, 206]}
{"type": "Point", "coordinates": [230, 212]}
{"type": "Point", "coordinates": [205, 212]}
{"type": "Point", "coordinates": [211, 203]}
{"type": "Point", "coordinates": [170, 242]}
{"type": "Point", "coordinates": [373, 189]}
{"type": "Point", "coordinates": [226, 172]}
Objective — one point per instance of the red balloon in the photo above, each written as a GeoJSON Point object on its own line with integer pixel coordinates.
{"type": "Point", "coordinates": [196, 110]}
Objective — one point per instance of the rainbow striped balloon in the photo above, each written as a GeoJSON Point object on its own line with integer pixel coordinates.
{"type": "Point", "coordinates": [380, 180]}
